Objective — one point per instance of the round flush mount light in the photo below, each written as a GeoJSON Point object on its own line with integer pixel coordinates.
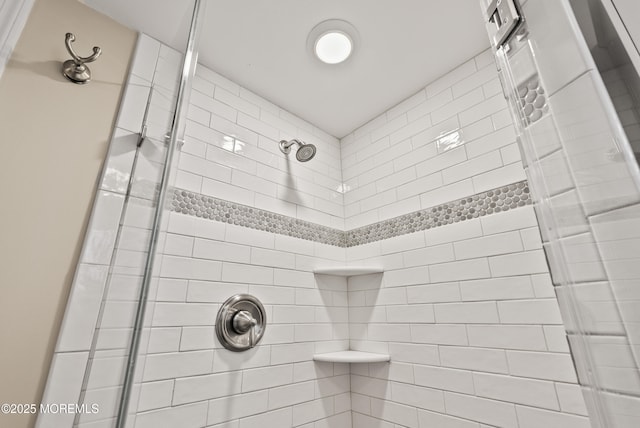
{"type": "Point", "coordinates": [332, 41]}
{"type": "Point", "coordinates": [333, 47]}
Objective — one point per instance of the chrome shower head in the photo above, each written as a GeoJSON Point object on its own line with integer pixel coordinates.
{"type": "Point", "coordinates": [305, 151]}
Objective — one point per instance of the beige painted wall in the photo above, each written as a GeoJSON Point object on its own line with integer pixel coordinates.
{"type": "Point", "coordinates": [53, 140]}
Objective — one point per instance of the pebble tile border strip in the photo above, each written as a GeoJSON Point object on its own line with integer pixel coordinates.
{"type": "Point", "coordinates": [481, 204]}
{"type": "Point", "coordinates": [208, 207]}
{"type": "Point", "coordinates": [493, 201]}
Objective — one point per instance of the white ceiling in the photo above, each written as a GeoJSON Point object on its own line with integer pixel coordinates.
{"type": "Point", "coordinates": [262, 45]}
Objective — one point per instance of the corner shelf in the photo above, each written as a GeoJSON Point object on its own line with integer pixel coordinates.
{"type": "Point", "coordinates": [351, 357]}
{"type": "Point", "coordinates": [349, 270]}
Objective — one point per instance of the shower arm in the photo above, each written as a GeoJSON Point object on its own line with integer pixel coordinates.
{"type": "Point", "coordinates": [285, 145]}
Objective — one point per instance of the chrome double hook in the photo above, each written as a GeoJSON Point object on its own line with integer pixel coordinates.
{"type": "Point", "coordinates": [75, 69]}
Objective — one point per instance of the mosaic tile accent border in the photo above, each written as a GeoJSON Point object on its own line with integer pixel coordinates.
{"type": "Point", "coordinates": [478, 205]}
{"type": "Point", "coordinates": [493, 201]}
{"type": "Point", "coordinates": [208, 207]}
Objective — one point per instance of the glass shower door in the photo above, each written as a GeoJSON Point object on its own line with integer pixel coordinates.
{"type": "Point", "coordinates": [586, 186]}
{"type": "Point", "coordinates": [101, 346]}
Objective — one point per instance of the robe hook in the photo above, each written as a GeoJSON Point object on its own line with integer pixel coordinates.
{"type": "Point", "coordinates": [75, 69]}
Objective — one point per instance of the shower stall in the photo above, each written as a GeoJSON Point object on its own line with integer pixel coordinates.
{"type": "Point", "coordinates": [469, 258]}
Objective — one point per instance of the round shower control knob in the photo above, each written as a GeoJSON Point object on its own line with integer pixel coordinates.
{"type": "Point", "coordinates": [241, 322]}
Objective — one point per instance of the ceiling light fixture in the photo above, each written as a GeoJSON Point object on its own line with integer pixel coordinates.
{"type": "Point", "coordinates": [333, 47]}
{"type": "Point", "coordinates": [332, 41]}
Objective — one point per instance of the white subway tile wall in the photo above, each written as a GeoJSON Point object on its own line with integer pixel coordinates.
{"type": "Point", "coordinates": [231, 153]}
{"type": "Point", "coordinates": [467, 326]}
{"type": "Point", "coordinates": [466, 311]}
{"type": "Point", "coordinates": [439, 145]}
